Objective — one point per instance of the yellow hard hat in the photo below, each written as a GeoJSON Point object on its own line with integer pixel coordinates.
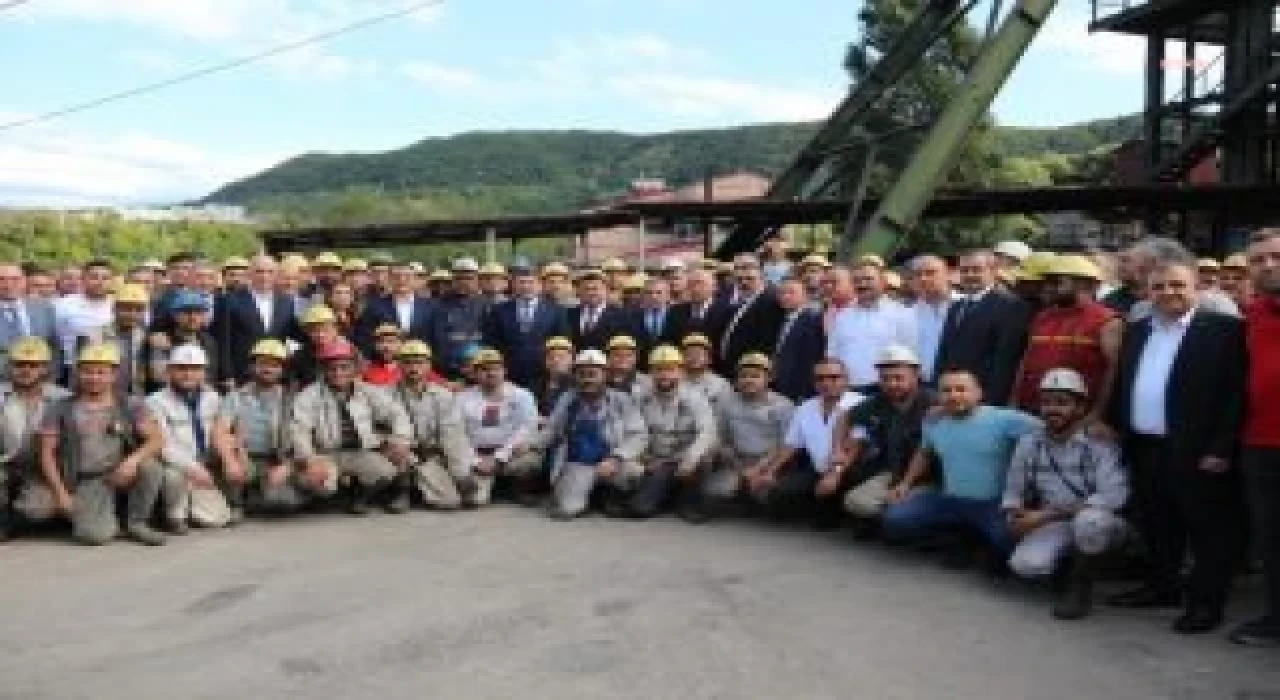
{"type": "Point", "coordinates": [132, 294]}
{"type": "Point", "coordinates": [590, 273]}
{"type": "Point", "coordinates": [665, 355]}
{"type": "Point", "coordinates": [414, 348]}
{"type": "Point", "coordinates": [103, 353]}
{"type": "Point", "coordinates": [724, 268]}
{"type": "Point", "coordinates": [269, 347]}
{"type": "Point", "coordinates": [327, 260]}
{"type": "Point", "coordinates": [355, 265]}
{"type": "Point", "coordinates": [235, 262]}
{"type": "Point", "coordinates": [624, 342]}
{"type": "Point", "coordinates": [493, 269]}
{"type": "Point", "coordinates": [814, 259]}
{"type": "Point", "coordinates": [1208, 264]}
{"type": "Point", "coordinates": [387, 329]}
{"type": "Point", "coordinates": [30, 349]}
{"type": "Point", "coordinates": [295, 260]}
{"type": "Point", "coordinates": [755, 359]}
{"type": "Point", "coordinates": [487, 356]}
{"type": "Point", "coordinates": [709, 264]}
{"type": "Point", "coordinates": [416, 268]}
{"type": "Point", "coordinates": [318, 313]}
{"type": "Point", "coordinates": [559, 343]}
{"type": "Point", "coordinates": [1237, 261]}
{"type": "Point", "coordinates": [1033, 268]}
{"type": "Point", "coordinates": [695, 339]}
{"type": "Point", "coordinates": [555, 268]}
{"type": "Point", "coordinates": [614, 265]}
{"type": "Point", "coordinates": [441, 275]}
{"type": "Point", "coordinates": [871, 259]}
{"type": "Point", "coordinates": [634, 283]}
{"type": "Point", "coordinates": [1072, 266]}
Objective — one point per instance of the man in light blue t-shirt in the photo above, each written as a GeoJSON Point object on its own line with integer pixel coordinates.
{"type": "Point", "coordinates": [972, 445]}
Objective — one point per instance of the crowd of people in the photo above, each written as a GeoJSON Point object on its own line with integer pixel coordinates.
{"type": "Point", "coordinates": [1038, 413]}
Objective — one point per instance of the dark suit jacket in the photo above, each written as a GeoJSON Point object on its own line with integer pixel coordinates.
{"type": "Point", "coordinates": [683, 323]}
{"type": "Point", "coordinates": [614, 320]}
{"type": "Point", "coordinates": [1204, 401]}
{"type": "Point", "coordinates": [796, 355]}
{"type": "Point", "coordinates": [523, 347]}
{"type": "Point", "coordinates": [988, 341]}
{"type": "Point", "coordinates": [237, 325]}
{"type": "Point", "coordinates": [755, 331]}
{"type": "Point", "coordinates": [380, 311]}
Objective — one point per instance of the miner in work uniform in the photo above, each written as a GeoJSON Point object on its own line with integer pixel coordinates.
{"type": "Point", "coordinates": [94, 445]}
{"type": "Point", "coordinates": [753, 421]}
{"type": "Point", "coordinates": [597, 436]}
{"type": "Point", "coordinates": [346, 428]}
{"type": "Point", "coordinates": [24, 401]}
{"type": "Point", "coordinates": [697, 351]}
{"type": "Point", "coordinates": [190, 317]}
{"type": "Point", "coordinates": [442, 456]}
{"type": "Point", "coordinates": [502, 422]}
{"type": "Point", "coordinates": [201, 485]}
{"type": "Point", "coordinates": [622, 373]}
{"type": "Point", "coordinates": [128, 332]}
{"type": "Point", "coordinates": [682, 435]}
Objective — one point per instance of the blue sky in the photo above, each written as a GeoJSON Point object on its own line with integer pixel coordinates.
{"type": "Point", "coordinates": [637, 65]}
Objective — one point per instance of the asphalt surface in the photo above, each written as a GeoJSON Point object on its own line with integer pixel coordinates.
{"type": "Point", "coordinates": [503, 603]}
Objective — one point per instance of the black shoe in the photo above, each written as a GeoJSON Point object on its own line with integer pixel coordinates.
{"type": "Point", "coordinates": [1198, 619]}
{"type": "Point", "coordinates": [357, 499]}
{"type": "Point", "coordinates": [1262, 632]}
{"type": "Point", "coordinates": [865, 530]}
{"type": "Point", "coordinates": [6, 529]}
{"type": "Point", "coordinates": [397, 495]}
{"type": "Point", "coordinates": [1076, 600]}
{"type": "Point", "coordinates": [615, 507]}
{"type": "Point", "coordinates": [958, 558]}
{"type": "Point", "coordinates": [693, 513]}
{"type": "Point", "coordinates": [1146, 598]}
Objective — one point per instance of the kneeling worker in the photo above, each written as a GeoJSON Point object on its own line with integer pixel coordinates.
{"type": "Point", "coordinates": [753, 422]}
{"type": "Point", "coordinates": [24, 401]}
{"type": "Point", "coordinates": [1064, 490]}
{"type": "Point", "coordinates": [502, 421]}
{"type": "Point", "coordinates": [94, 446]}
{"type": "Point", "coordinates": [598, 436]}
{"type": "Point", "coordinates": [350, 429]}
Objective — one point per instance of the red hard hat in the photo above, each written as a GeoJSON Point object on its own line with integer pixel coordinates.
{"type": "Point", "coordinates": [339, 349]}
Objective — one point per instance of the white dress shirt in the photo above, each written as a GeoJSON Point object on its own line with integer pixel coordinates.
{"type": "Point", "coordinates": [859, 334]}
{"type": "Point", "coordinates": [265, 304]}
{"type": "Point", "coordinates": [812, 432]}
{"type": "Point", "coordinates": [931, 319]}
{"type": "Point", "coordinates": [1147, 411]}
{"type": "Point", "coordinates": [404, 313]}
{"type": "Point", "coordinates": [77, 316]}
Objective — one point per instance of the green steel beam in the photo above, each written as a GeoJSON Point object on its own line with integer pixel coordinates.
{"type": "Point", "coordinates": [902, 205]}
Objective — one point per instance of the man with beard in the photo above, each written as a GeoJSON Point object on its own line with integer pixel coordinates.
{"type": "Point", "coordinates": [1063, 493]}
{"type": "Point", "coordinates": [24, 401]}
{"type": "Point", "coordinates": [444, 461]}
{"type": "Point", "coordinates": [456, 322]}
{"type": "Point", "coordinates": [752, 424]}
{"type": "Point", "coordinates": [94, 446]}
{"type": "Point", "coordinates": [502, 421]}
{"type": "Point", "coordinates": [623, 374]}
{"type": "Point", "coordinates": [682, 434]}
{"type": "Point", "coordinates": [556, 376]}
{"type": "Point", "coordinates": [1233, 280]}
{"type": "Point", "coordinates": [1076, 332]}
{"type": "Point", "coordinates": [190, 315]}
{"type": "Point", "coordinates": [352, 430]}
{"type": "Point", "coordinates": [698, 353]}
{"type": "Point", "coordinates": [1261, 454]}
{"type": "Point", "coordinates": [597, 436]}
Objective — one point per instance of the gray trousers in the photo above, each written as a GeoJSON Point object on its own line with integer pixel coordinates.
{"type": "Point", "coordinates": [1092, 531]}
{"type": "Point", "coordinates": [93, 520]}
{"type": "Point", "coordinates": [365, 466]}
{"type": "Point", "coordinates": [572, 484]}
{"type": "Point", "coordinates": [291, 494]}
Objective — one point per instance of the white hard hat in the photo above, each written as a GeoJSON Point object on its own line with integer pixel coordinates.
{"type": "Point", "coordinates": [898, 355]}
{"type": "Point", "coordinates": [673, 264]}
{"type": "Point", "coordinates": [1014, 249]}
{"type": "Point", "coordinates": [188, 356]}
{"type": "Point", "coordinates": [1063, 379]}
{"type": "Point", "coordinates": [466, 265]}
{"type": "Point", "coordinates": [590, 358]}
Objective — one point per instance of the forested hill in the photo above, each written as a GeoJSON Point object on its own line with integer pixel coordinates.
{"type": "Point", "coordinates": [573, 167]}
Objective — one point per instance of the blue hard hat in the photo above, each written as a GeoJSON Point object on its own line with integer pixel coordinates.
{"type": "Point", "coordinates": [189, 301]}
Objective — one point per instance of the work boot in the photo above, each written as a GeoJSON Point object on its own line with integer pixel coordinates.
{"type": "Point", "coordinates": [177, 526]}
{"type": "Point", "coordinates": [467, 490]}
{"type": "Point", "coordinates": [527, 493]}
{"type": "Point", "coordinates": [357, 498]}
{"type": "Point", "coordinates": [691, 508]}
{"type": "Point", "coordinates": [398, 495]}
{"type": "Point", "coordinates": [1076, 602]}
{"type": "Point", "coordinates": [143, 533]}
{"type": "Point", "coordinates": [1147, 597]}
{"type": "Point", "coordinates": [6, 525]}
{"type": "Point", "coordinates": [1262, 632]}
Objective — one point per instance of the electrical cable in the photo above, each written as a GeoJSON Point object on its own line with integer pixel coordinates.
{"type": "Point", "coordinates": [219, 67]}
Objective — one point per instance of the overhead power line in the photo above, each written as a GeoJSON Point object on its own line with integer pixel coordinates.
{"type": "Point", "coordinates": [219, 67]}
{"type": "Point", "coordinates": [10, 4]}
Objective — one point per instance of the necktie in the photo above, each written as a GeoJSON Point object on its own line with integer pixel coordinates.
{"type": "Point", "coordinates": [653, 323]}
{"type": "Point", "coordinates": [197, 425]}
{"type": "Point", "coordinates": [588, 319]}
{"type": "Point", "coordinates": [526, 312]}
{"type": "Point", "coordinates": [962, 309]}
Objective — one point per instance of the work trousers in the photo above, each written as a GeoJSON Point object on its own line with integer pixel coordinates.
{"type": "Point", "coordinates": [1092, 531]}
{"type": "Point", "coordinates": [439, 485]}
{"type": "Point", "coordinates": [1262, 479]}
{"type": "Point", "coordinates": [93, 519]}
{"type": "Point", "coordinates": [868, 499]}
{"type": "Point", "coordinates": [927, 509]}
{"type": "Point", "coordinates": [289, 495]}
{"type": "Point", "coordinates": [723, 481]}
{"type": "Point", "coordinates": [794, 494]}
{"type": "Point", "coordinates": [572, 485]}
{"type": "Point", "coordinates": [371, 469]}
{"type": "Point", "coordinates": [1180, 505]}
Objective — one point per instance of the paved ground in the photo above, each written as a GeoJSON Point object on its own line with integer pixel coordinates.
{"type": "Point", "coordinates": [504, 604]}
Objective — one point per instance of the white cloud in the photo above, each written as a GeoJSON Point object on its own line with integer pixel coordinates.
{"type": "Point", "coordinates": [442, 77]}
{"type": "Point", "coordinates": [718, 97]}
{"type": "Point", "coordinates": [47, 167]}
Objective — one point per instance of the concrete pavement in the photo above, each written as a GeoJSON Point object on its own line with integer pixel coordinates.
{"type": "Point", "coordinates": [503, 603]}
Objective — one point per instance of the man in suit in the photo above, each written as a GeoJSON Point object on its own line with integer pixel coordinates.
{"type": "Point", "coordinates": [754, 323]}
{"type": "Point", "coordinates": [801, 343]}
{"type": "Point", "coordinates": [22, 317]}
{"type": "Point", "coordinates": [1178, 402]}
{"type": "Point", "coordinates": [701, 313]}
{"type": "Point", "coordinates": [594, 320]}
{"type": "Point", "coordinates": [986, 330]}
{"type": "Point", "coordinates": [520, 326]}
{"type": "Point", "coordinates": [403, 307]}
{"type": "Point", "coordinates": [656, 318]}
{"type": "Point", "coordinates": [245, 315]}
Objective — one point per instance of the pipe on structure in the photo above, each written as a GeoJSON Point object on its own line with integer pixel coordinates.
{"type": "Point", "coordinates": [902, 205]}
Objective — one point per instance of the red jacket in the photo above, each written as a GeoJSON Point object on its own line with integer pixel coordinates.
{"type": "Point", "coordinates": [1262, 333]}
